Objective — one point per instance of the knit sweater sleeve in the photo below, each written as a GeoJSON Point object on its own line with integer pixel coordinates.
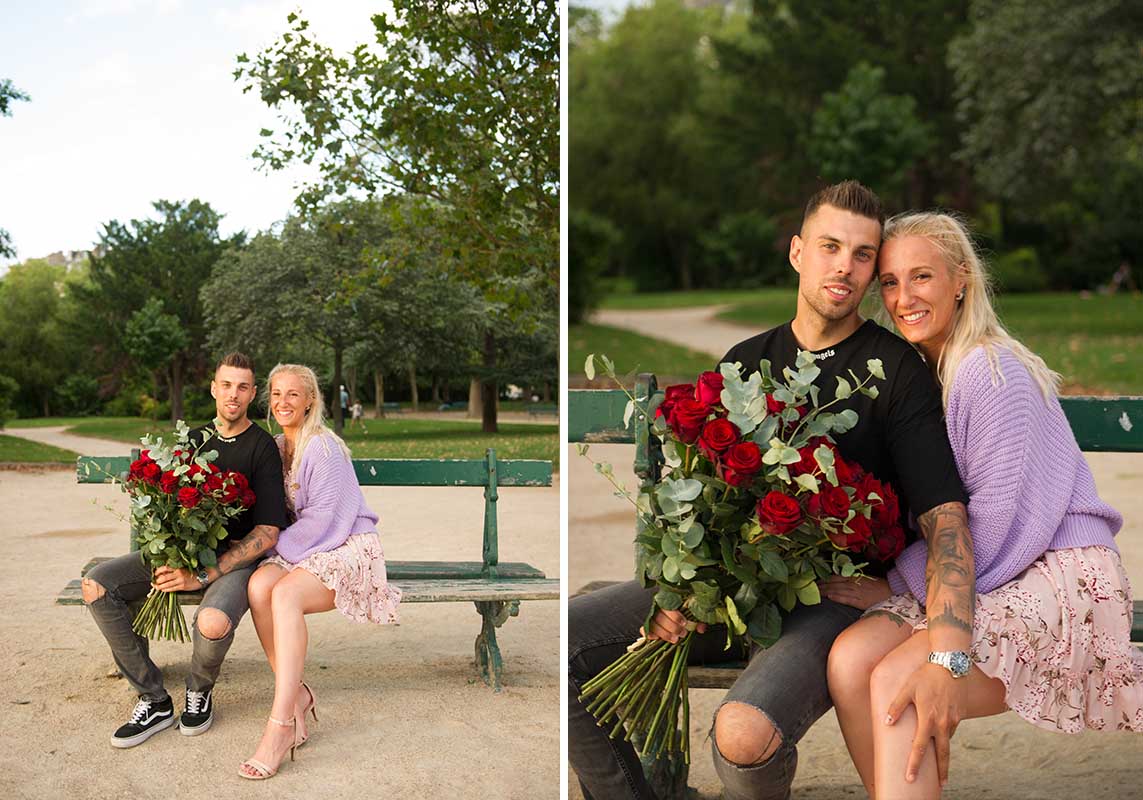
{"type": "Point", "coordinates": [323, 484]}
{"type": "Point", "coordinates": [994, 427]}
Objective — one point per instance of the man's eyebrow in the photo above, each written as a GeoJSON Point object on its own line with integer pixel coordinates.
{"type": "Point", "coordinates": [830, 238]}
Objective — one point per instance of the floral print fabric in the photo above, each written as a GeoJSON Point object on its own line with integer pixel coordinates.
{"type": "Point", "coordinates": [1059, 638]}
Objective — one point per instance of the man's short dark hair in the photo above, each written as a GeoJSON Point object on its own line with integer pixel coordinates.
{"type": "Point", "coordinates": [236, 360]}
{"type": "Point", "coordinates": [850, 196]}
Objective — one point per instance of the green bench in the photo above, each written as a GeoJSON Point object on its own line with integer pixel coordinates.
{"type": "Point", "coordinates": [1101, 424]}
{"type": "Point", "coordinates": [391, 405]}
{"type": "Point", "coordinates": [496, 588]}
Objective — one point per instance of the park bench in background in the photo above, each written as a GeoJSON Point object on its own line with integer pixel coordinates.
{"type": "Point", "coordinates": [391, 405]}
{"type": "Point", "coordinates": [537, 410]}
{"type": "Point", "coordinates": [458, 405]}
{"type": "Point", "coordinates": [496, 588]}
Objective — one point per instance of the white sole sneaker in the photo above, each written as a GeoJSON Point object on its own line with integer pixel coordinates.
{"type": "Point", "coordinates": [143, 736]}
{"type": "Point", "coordinates": [187, 730]}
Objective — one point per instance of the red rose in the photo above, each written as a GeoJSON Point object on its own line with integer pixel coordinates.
{"type": "Point", "coordinates": [240, 480]}
{"type": "Point", "coordinates": [855, 538]}
{"type": "Point", "coordinates": [169, 482]}
{"type": "Point", "coordinates": [151, 472]}
{"type": "Point", "coordinates": [136, 471]}
{"type": "Point", "coordinates": [214, 470]}
{"type": "Point", "coordinates": [887, 545]}
{"type": "Point", "coordinates": [673, 394]}
{"type": "Point", "coordinates": [741, 463]}
{"type": "Point", "coordinates": [213, 483]}
{"type": "Point", "coordinates": [717, 436]}
{"type": "Point", "coordinates": [189, 497]}
{"type": "Point", "coordinates": [814, 506]}
{"type": "Point", "coordinates": [145, 455]}
{"type": "Point", "coordinates": [687, 419]}
{"type": "Point", "coordinates": [887, 513]}
{"type": "Point", "coordinates": [231, 492]}
{"type": "Point", "coordinates": [774, 406]}
{"type": "Point", "coordinates": [248, 498]}
{"type": "Point", "coordinates": [835, 501]}
{"type": "Point", "coordinates": [847, 473]}
{"type": "Point", "coordinates": [778, 514]}
{"type": "Point", "coordinates": [808, 464]}
{"type": "Point", "coordinates": [709, 389]}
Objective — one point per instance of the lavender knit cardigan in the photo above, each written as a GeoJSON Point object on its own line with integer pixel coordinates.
{"type": "Point", "coordinates": [329, 503]}
{"type": "Point", "coordinates": [1030, 489]}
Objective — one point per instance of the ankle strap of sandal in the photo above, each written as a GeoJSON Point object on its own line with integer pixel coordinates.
{"type": "Point", "coordinates": [285, 724]}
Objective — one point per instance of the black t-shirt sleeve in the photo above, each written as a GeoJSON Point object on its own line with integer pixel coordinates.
{"type": "Point", "coordinates": [270, 493]}
{"type": "Point", "coordinates": [918, 441]}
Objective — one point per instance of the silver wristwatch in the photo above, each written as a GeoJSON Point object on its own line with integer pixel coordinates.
{"type": "Point", "coordinates": [202, 577]}
{"type": "Point", "coordinates": [955, 661]}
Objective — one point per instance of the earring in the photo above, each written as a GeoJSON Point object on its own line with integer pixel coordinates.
{"type": "Point", "coordinates": [960, 295]}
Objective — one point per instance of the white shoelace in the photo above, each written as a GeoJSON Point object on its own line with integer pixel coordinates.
{"type": "Point", "coordinates": [142, 709]}
{"type": "Point", "coordinates": [195, 702]}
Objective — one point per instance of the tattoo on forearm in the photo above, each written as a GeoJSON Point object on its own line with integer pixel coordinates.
{"type": "Point", "coordinates": [950, 578]}
{"type": "Point", "coordinates": [249, 549]}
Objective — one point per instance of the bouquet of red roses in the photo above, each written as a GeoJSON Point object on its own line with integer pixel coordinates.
{"type": "Point", "coordinates": [755, 506]}
{"type": "Point", "coordinates": [180, 503]}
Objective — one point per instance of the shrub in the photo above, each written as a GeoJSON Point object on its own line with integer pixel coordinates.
{"type": "Point", "coordinates": [1019, 271]}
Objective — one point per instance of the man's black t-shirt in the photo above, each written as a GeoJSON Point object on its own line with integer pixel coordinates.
{"type": "Point", "coordinates": [255, 454]}
{"type": "Point", "coordinates": [900, 436]}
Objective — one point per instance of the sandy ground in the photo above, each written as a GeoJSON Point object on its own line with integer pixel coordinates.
{"type": "Point", "coordinates": [402, 710]}
{"type": "Point", "coordinates": [998, 757]}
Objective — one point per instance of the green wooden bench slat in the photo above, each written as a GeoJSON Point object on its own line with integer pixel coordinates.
{"type": "Point", "coordinates": [380, 471]}
{"type": "Point", "coordinates": [1106, 424]}
{"type": "Point", "coordinates": [436, 590]}
{"type": "Point", "coordinates": [450, 472]}
{"type": "Point", "coordinates": [1103, 424]}
{"type": "Point", "coordinates": [425, 570]}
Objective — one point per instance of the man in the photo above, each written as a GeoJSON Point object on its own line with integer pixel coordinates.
{"type": "Point", "coordinates": [111, 587]}
{"type": "Point", "coordinates": [900, 437]}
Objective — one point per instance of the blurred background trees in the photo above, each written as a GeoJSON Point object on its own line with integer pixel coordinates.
{"type": "Point", "coordinates": [697, 130]}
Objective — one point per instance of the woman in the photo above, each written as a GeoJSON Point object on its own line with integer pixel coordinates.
{"type": "Point", "coordinates": [329, 557]}
{"type": "Point", "coordinates": [1051, 635]}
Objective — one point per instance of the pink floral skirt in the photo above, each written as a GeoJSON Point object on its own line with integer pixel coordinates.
{"type": "Point", "coordinates": [1058, 637]}
{"type": "Point", "coordinates": [355, 572]}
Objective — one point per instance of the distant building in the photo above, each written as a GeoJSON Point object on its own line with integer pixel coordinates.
{"type": "Point", "coordinates": [70, 258]}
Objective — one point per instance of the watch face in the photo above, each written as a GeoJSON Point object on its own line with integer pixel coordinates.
{"type": "Point", "coordinates": [960, 663]}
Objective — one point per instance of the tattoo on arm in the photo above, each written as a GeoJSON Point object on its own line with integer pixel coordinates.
{"type": "Point", "coordinates": [249, 549]}
{"type": "Point", "coordinates": [950, 579]}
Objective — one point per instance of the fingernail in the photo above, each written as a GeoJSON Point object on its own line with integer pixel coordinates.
{"type": "Point", "coordinates": [888, 719]}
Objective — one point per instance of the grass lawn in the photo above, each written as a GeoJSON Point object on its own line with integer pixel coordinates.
{"type": "Point", "coordinates": [632, 353]}
{"type": "Point", "coordinates": [1096, 342]}
{"type": "Point", "coordinates": [781, 299]}
{"type": "Point", "coordinates": [392, 437]}
{"type": "Point", "coordinates": [16, 450]}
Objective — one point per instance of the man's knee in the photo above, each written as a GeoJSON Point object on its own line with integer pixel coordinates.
{"type": "Point", "coordinates": [92, 591]}
{"type": "Point", "coordinates": [744, 735]}
{"type": "Point", "coordinates": [212, 623]}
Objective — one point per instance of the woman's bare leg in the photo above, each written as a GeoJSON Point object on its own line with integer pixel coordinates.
{"type": "Point", "coordinates": [852, 659]}
{"type": "Point", "coordinates": [983, 697]}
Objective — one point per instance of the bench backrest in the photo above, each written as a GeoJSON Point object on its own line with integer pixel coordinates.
{"type": "Point", "coordinates": [489, 473]}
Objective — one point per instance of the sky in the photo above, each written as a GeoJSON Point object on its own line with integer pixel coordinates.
{"type": "Point", "coordinates": [134, 101]}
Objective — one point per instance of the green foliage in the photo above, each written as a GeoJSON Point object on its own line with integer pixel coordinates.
{"type": "Point", "coordinates": [153, 337]}
{"type": "Point", "coordinates": [1019, 271]}
{"type": "Point", "coordinates": [78, 395]}
{"type": "Point", "coordinates": [592, 241]}
{"type": "Point", "coordinates": [861, 131]}
{"type": "Point", "coordinates": [14, 450]}
{"type": "Point", "coordinates": [643, 353]}
{"type": "Point", "coordinates": [9, 94]}
{"type": "Point", "coordinates": [8, 390]}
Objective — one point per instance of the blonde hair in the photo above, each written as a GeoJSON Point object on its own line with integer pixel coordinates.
{"type": "Point", "coordinates": [314, 422]}
{"type": "Point", "coordinates": [974, 321]}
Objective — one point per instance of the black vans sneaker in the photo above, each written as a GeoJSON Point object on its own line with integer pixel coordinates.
{"type": "Point", "coordinates": [149, 717]}
{"type": "Point", "coordinates": [198, 713]}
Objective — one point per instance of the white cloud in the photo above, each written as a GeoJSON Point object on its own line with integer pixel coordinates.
{"type": "Point", "coordinates": [110, 71]}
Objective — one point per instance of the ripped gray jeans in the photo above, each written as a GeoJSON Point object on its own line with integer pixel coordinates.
{"type": "Point", "coordinates": [786, 682]}
{"type": "Point", "coordinates": [126, 581]}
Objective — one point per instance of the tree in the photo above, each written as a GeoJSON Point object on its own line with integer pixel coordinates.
{"type": "Point", "coordinates": [34, 345]}
{"type": "Point", "coordinates": [166, 259]}
{"type": "Point", "coordinates": [457, 104]}
{"type": "Point", "coordinates": [8, 95]}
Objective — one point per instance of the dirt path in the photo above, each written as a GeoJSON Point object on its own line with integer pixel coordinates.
{"type": "Point", "coordinates": [992, 759]}
{"type": "Point", "coordinates": [696, 328]}
{"type": "Point", "coordinates": [402, 711]}
{"type": "Point", "coordinates": [83, 445]}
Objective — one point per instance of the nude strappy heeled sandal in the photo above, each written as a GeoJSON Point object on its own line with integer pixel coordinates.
{"type": "Point", "coordinates": [263, 771]}
{"type": "Point", "coordinates": [309, 708]}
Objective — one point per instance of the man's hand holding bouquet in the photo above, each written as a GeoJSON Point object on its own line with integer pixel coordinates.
{"type": "Point", "coordinates": [180, 504]}
{"type": "Point", "coordinates": [755, 507]}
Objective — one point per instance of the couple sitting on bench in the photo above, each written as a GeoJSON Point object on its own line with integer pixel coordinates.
{"type": "Point", "coordinates": [308, 544]}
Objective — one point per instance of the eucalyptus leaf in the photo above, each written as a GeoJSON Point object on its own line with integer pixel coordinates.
{"type": "Point", "coordinates": [844, 390]}
{"type": "Point", "coordinates": [807, 482]}
{"type": "Point", "coordinates": [589, 366]}
{"type": "Point", "coordinates": [875, 369]}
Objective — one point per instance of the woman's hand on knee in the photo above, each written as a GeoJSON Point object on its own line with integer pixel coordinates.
{"type": "Point", "coordinates": [858, 592]}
